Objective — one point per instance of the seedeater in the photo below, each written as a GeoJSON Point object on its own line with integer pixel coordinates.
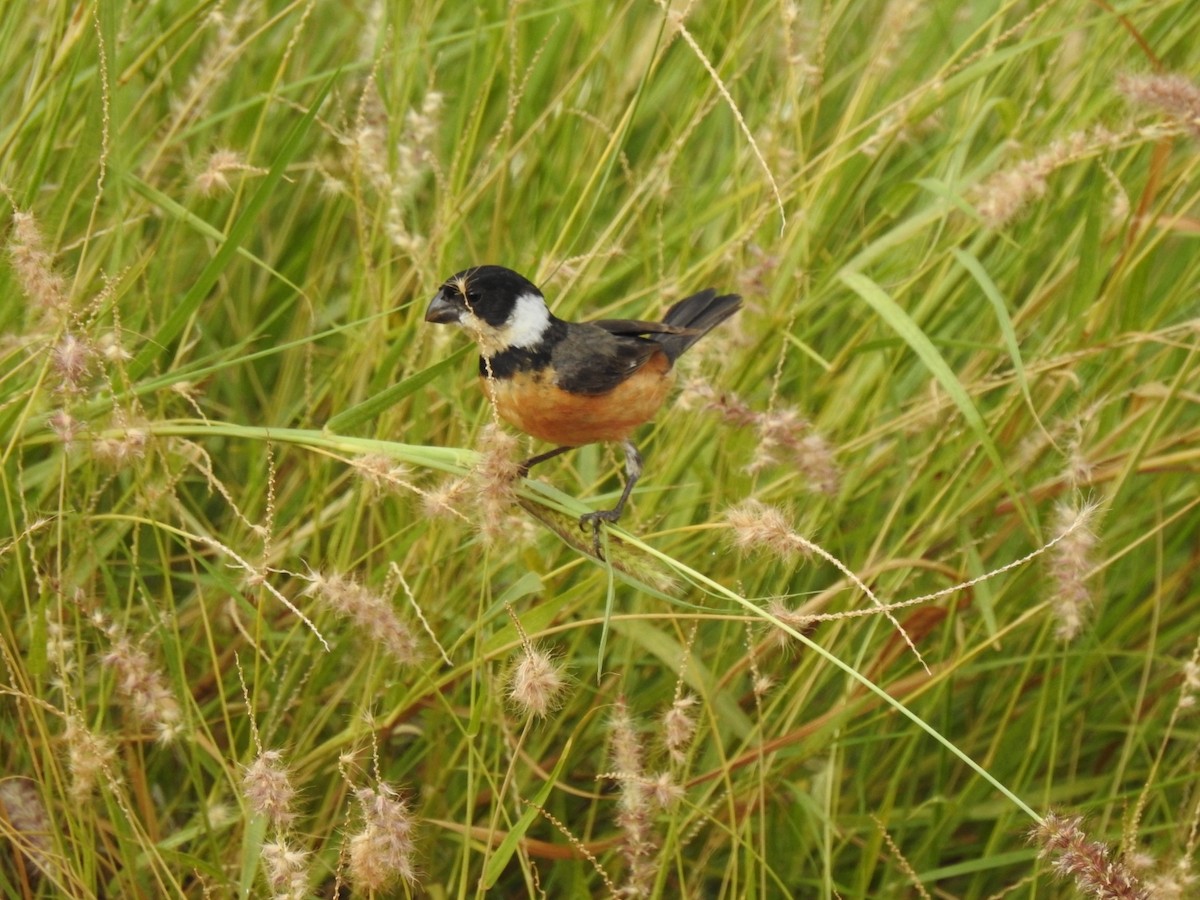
{"type": "Point", "coordinates": [572, 383]}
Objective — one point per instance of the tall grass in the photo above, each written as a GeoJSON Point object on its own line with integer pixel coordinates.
{"type": "Point", "coordinates": [275, 622]}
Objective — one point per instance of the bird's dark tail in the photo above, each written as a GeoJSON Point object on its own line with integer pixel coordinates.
{"type": "Point", "coordinates": [699, 314]}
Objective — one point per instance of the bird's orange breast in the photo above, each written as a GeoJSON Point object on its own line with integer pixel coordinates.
{"type": "Point", "coordinates": [532, 402]}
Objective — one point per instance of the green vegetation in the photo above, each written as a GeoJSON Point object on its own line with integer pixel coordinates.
{"type": "Point", "coordinates": [275, 622]}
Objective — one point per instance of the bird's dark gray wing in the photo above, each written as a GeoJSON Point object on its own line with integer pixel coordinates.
{"type": "Point", "coordinates": [593, 360]}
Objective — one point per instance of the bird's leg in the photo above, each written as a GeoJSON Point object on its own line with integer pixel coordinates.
{"type": "Point", "coordinates": [633, 471]}
{"type": "Point", "coordinates": [541, 457]}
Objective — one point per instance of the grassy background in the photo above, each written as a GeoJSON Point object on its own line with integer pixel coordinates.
{"type": "Point", "coordinates": [970, 264]}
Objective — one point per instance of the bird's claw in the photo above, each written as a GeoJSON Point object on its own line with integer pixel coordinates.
{"type": "Point", "coordinates": [593, 519]}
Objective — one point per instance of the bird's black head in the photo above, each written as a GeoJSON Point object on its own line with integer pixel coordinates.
{"type": "Point", "coordinates": [498, 308]}
{"type": "Point", "coordinates": [490, 292]}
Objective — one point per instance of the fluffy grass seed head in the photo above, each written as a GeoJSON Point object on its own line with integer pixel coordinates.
{"type": "Point", "coordinates": [679, 727]}
{"type": "Point", "coordinates": [382, 473]}
{"type": "Point", "coordinates": [109, 346]}
{"type": "Point", "coordinates": [65, 427]}
{"type": "Point", "coordinates": [381, 852]}
{"type": "Point", "coordinates": [143, 686]}
{"type": "Point", "coordinates": [785, 437]}
{"type": "Point", "coordinates": [1005, 194]}
{"type": "Point", "coordinates": [267, 787]}
{"type": "Point", "coordinates": [698, 392]}
{"type": "Point", "coordinates": [72, 359]}
{"type": "Point", "coordinates": [493, 478]}
{"type": "Point", "coordinates": [28, 826]}
{"type": "Point", "coordinates": [369, 612]}
{"type": "Point", "coordinates": [446, 500]}
{"type": "Point", "coordinates": [89, 756]}
{"type": "Point", "coordinates": [759, 527]}
{"type": "Point", "coordinates": [1190, 691]}
{"type": "Point", "coordinates": [1070, 560]}
{"type": "Point", "coordinates": [635, 808]}
{"type": "Point", "coordinates": [1175, 95]}
{"type": "Point", "coordinates": [536, 684]}
{"type": "Point", "coordinates": [286, 869]}
{"type": "Point", "coordinates": [214, 177]}
{"type": "Point", "coordinates": [125, 450]}
{"type": "Point", "coordinates": [1173, 882]}
{"type": "Point", "coordinates": [33, 264]}
{"type": "Point", "coordinates": [1062, 840]}
{"type": "Point", "coordinates": [626, 747]}
{"type": "Point", "coordinates": [805, 623]}
{"type": "Point", "coordinates": [395, 175]}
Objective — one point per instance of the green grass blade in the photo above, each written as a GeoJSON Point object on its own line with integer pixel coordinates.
{"type": "Point", "coordinates": [181, 213]}
{"type": "Point", "coordinates": [504, 852]}
{"type": "Point", "coordinates": [918, 341]}
{"type": "Point", "coordinates": [245, 225]}
{"type": "Point", "coordinates": [972, 264]}
{"type": "Point", "coordinates": [349, 419]}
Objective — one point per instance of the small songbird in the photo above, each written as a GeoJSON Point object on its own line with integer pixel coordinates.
{"type": "Point", "coordinates": [572, 383]}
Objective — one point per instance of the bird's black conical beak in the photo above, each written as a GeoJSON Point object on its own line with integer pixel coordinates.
{"type": "Point", "coordinates": [442, 310]}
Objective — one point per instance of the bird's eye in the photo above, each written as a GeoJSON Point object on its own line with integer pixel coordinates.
{"type": "Point", "coordinates": [472, 296]}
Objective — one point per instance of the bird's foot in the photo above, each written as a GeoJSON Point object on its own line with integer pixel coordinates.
{"type": "Point", "coordinates": [593, 520]}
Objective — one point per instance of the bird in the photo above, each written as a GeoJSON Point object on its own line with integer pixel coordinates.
{"type": "Point", "coordinates": [572, 383]}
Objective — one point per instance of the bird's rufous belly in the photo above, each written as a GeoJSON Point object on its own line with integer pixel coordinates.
{"type": "Point", "coordinates": [531, 402]}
